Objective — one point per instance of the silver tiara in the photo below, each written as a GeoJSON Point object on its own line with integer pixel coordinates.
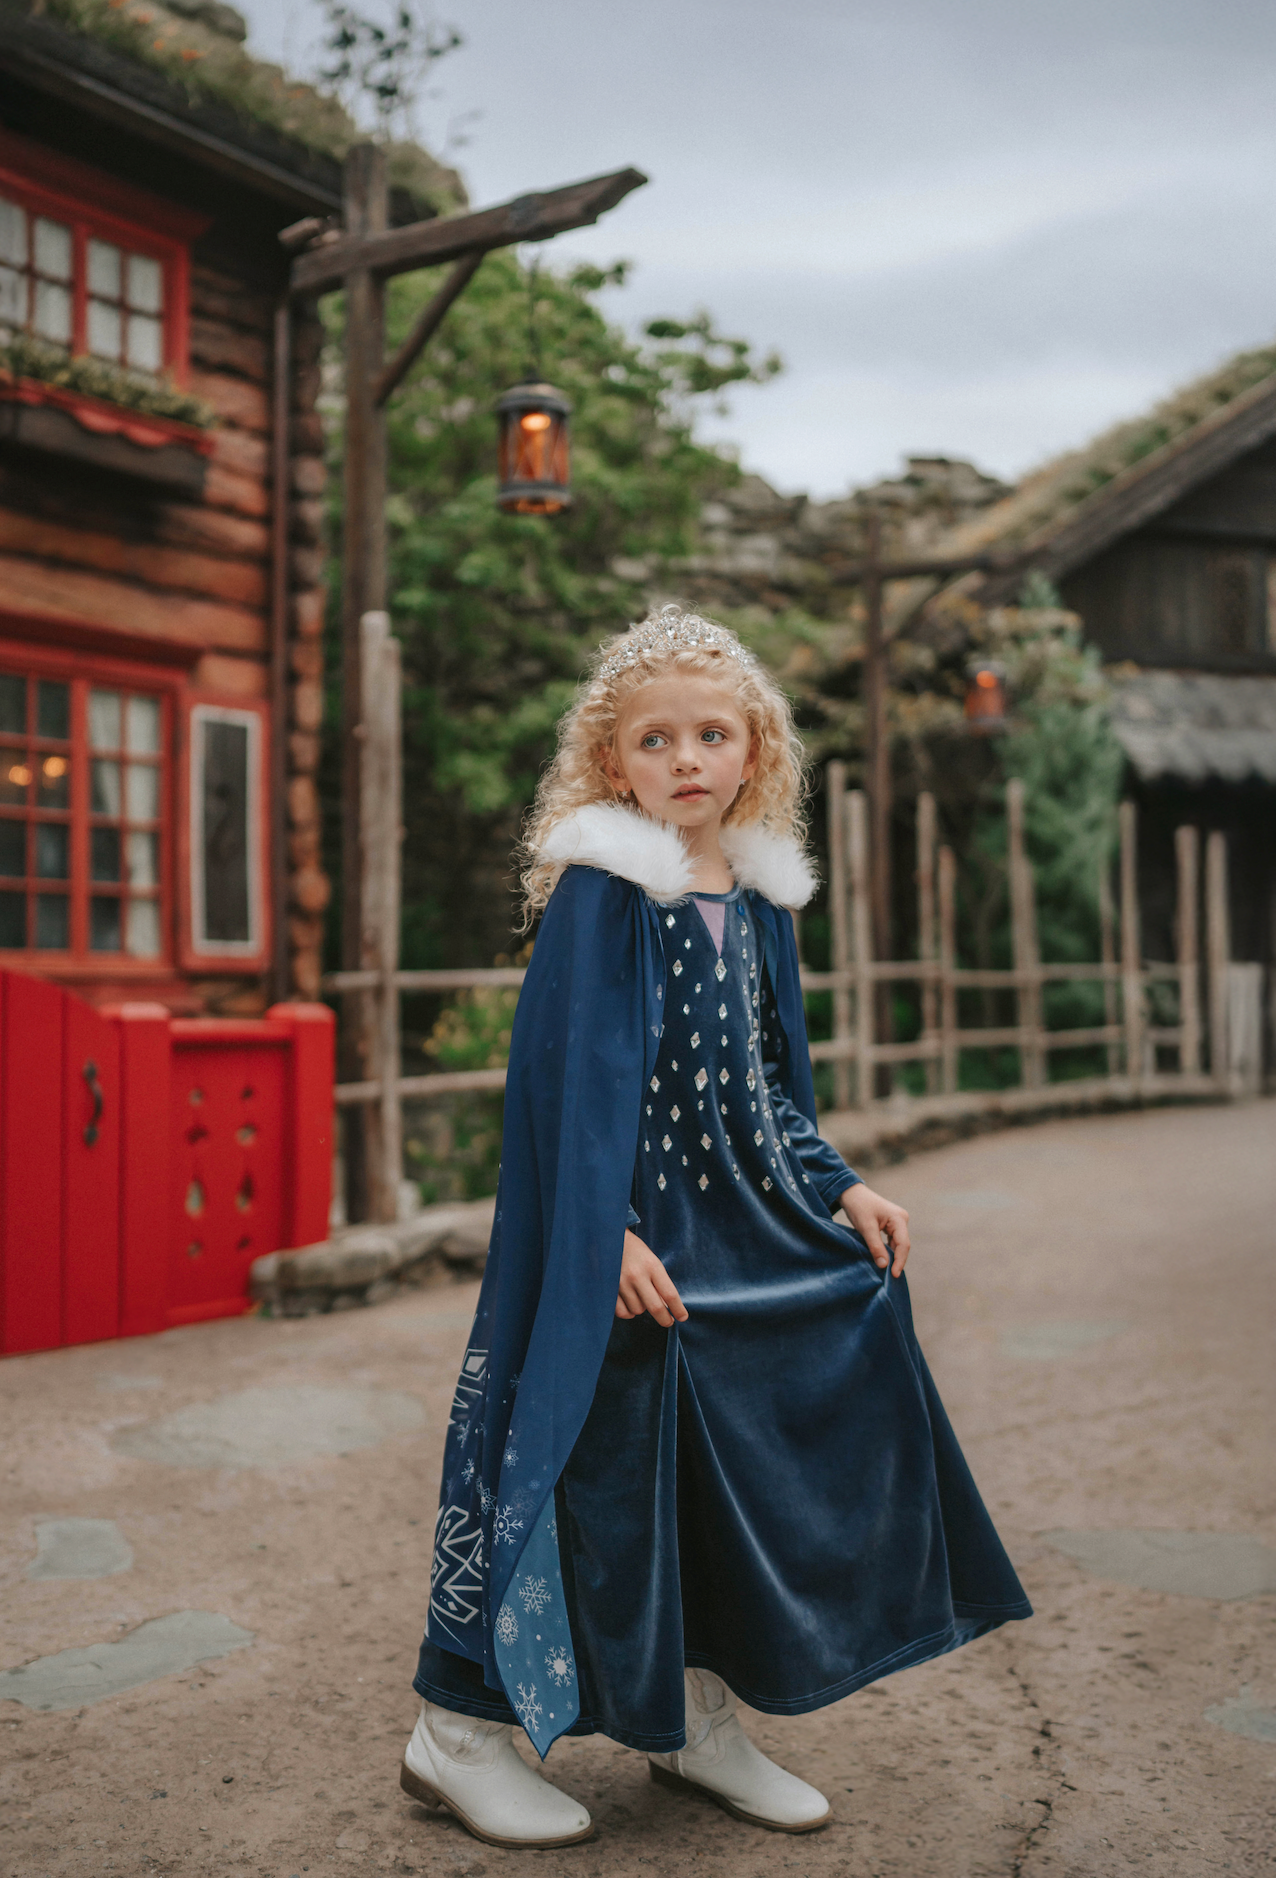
{"type": "Point", "coordinates": [672, 630]}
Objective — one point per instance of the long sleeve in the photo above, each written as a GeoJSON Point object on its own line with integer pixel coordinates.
{"type": "Point", "coordinates": [823, 1165]}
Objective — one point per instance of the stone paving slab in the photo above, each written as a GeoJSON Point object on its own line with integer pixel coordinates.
{"type": "Point", "coordinates": [79, 1548]}
{"type": "Point", "coordinates": [1123, 1730]}
{"type": "Point", "coordinates": [162, 1647]}
{"type": "Point", "coordinates": [1221, 1565]}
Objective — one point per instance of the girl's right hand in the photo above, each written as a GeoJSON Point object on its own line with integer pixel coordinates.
{"type": "Point", "coordinates": [645, 1285]}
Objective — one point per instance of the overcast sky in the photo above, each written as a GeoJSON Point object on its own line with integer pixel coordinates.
{"type": "Point", "coordinates": [981, 228]}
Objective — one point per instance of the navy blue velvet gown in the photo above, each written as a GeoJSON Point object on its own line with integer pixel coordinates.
{"type": "Point", "coordinates": [704, 1517]}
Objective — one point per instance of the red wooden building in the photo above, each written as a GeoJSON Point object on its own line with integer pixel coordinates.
{"type": "Point", "coordinates": [161, 609]}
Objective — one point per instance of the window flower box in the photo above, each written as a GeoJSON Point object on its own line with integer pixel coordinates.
{"type": "Point", "coordinates": [62, 422]}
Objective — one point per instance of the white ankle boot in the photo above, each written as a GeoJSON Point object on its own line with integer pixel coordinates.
{"type": "Point", "coordinates": [720, 1759]}
{"type": "Point", "coordinates": [473, 1768]}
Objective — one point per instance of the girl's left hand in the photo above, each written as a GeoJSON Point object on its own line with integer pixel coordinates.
{"type": "Point", "coordinates": [879, 1223]}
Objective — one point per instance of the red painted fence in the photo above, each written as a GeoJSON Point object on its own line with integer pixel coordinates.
{"type": "Point", "coordinates": [147, 1160]}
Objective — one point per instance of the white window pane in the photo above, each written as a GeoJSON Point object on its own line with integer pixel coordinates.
{"type": "Point", "coordinates": [143, 733]}
{"type": "Point", "coordinates": [104, 720]}
{"type": "Point", "coordinates": [52, 248]}
{"type": "Point", "coordinates": [143, 929]}
{"type": "Point", "coordinates": [104, 329]}
{"type": "Point", "coordinates": [52, 312]}
{"type": "Point", "coordinates": [13, 297]}
{"type": "Point", "coordinates": [145, 284]}
{"type": "Point", "coordinates": [145, 343]}
{"type": "Point", "coordinates": [13, 233]}
{"type": "Point", "coordinates": [105, 272]}
{"type": "Point", "coordinates": [104, 793]}
{"type": "Point", "coordinates": [142, 795]}
{"type": "Point", "coordinates": [143, 859]}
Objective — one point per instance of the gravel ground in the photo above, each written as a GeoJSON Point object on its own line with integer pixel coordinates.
{"type": "Point", "coordinates": [1095, 1298]}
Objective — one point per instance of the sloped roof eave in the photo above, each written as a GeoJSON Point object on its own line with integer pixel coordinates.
{"type": "Point", "coordinates": [1194, 727]}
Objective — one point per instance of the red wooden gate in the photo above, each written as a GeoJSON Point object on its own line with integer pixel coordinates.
{"type": "Point", "coordinates": [146, 1161]}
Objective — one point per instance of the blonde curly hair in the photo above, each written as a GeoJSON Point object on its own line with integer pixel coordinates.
{"type": "Point", "coordinates": [673, 639]}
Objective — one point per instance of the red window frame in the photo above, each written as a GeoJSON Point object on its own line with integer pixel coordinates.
{"type": "Point", "coordinates": [94, 204]}
{"type": "Point", "coordinates": [85, 673]}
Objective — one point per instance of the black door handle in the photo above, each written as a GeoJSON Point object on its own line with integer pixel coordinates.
{"type": "Point", "coordinates": [90, 1075]}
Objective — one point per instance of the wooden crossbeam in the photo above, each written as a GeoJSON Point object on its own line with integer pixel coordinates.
{"type": "Point", "coordinates": [535, 217]}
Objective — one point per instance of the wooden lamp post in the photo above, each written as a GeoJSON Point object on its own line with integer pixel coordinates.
{"type": "Point", "coordinates": [360, 259]}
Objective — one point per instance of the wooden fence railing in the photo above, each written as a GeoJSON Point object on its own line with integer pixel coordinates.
{"type": "Point", "coordinates": [865, 1061]}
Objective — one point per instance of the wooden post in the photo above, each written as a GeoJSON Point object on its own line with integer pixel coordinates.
{"type": "Point", "coordinates": [1218, 949]}
{"type": "Point", "coordinates": [839, 933]}
{"type": "Point", "coordinates": [862, 939]}
{"type": "Point", "coordinates": [926, 928]}
{"type": "Point", "coordinates": [280, 528]}
{"type": "Point", "coordinates": [1131, 948]}
{"type": "Point", "coordinates": [1023, 928]}
{"type": "Point", "coordinates": [364, 584]}
{"type": "Point", "coordinates": [947, 966]}
{"type": "Point", "coordinates": [1187, 854]}
{"type": "Point", "coordinates": [877, 756]}
{"type": "Point", "coordinates": [381, 820]}
{"type": "Point", "coordinates": [1107, 952]}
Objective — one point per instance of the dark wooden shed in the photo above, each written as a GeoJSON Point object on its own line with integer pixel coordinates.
{"type": "Point", "coordinates": [1161, 535]}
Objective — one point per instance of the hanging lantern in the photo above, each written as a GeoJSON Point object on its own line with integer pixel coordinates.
{"type": "Point", "coordinates": [986, 697]}
{"type": "Point", "coordinates": [534, 451]}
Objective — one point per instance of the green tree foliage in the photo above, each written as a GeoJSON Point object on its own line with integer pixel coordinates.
{"type": "Point", "coordinates": [497, 613]}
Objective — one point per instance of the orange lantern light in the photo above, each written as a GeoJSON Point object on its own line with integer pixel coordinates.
{"type": "Point", "coordinates": [534, 451]}
{"type": "Point", "coordinates": [986, 698]}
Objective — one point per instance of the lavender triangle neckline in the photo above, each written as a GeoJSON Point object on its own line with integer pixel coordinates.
{"type": "Point", "coordinates": [714, 915]}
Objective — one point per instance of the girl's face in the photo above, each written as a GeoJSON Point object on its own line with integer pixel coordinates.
{"type": "Point", "coordinates": [683, 748]}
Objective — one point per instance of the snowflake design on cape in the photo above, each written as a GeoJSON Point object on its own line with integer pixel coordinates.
{"type": "Point", "coordinates": [534, 1594]}
{"type": "Point", "coordinates": [487, 1499]}
{"type": "Point", "coordinates": [552, 1528]}
{"type": "Point", "coordinates": [527, 1708]}
{"type": "Point", "coordinates": [506, 1626]}
{"type": "Point", "coordinates": [559, 1666]}
{"type": "Point", "coordinates": [504, 1526]}
{"type": "Point", "coordinates": [511, 1454]}
{"type": "Point", "coordinates": [467, 1472]}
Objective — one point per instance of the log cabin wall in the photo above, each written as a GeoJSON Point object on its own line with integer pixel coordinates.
{"type": "Point", "coordinates": [100, 565]}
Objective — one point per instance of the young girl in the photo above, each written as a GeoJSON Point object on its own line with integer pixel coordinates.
{"type": "Point", "coordinates": [695, 1452]}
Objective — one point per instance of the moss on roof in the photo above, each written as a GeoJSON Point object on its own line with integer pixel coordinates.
{"type": "Point", "coordinates": [213, 64]}
{"type": "Point", "coordinates": [1047, 497]}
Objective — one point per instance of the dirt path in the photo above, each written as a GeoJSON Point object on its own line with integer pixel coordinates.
{"type": "Point", "coordinates": [1096, 1300]}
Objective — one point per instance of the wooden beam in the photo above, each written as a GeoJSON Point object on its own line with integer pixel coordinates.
{"type": "Point", "coordinates": [535, 217]}
{"type": "Point", "coordinates": [426, 327]}
{"type": "Point", "coordinates": [857, 572]}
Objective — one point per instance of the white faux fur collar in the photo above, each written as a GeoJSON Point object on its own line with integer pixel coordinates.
{"type": "Point", "coordinates": [651, 854]}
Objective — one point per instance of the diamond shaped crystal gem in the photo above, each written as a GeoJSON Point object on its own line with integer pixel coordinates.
{"type": "Point", "coordinates": [686, 945]}
{"type": "Point", "coordinates": [724, 1075]}
{"type": "Point", "coordinates": [677, 968]}
{"type": "Point", "coordinates": [705, 1142]}
{"type": "Point", "coordinates": [654, 1085]}
{"type": "Point", "coordinates": [665, 1143]}
{"type": "Point", "coordinates": [752, 1080]}
{"type": "Point", "coordinates": [662, 1183]}
{"type": "Point", "coordinates": [674, 1112]}
{"type": "Point", "coordinates": [702, 1077]}
{"type": "Point", "coordinates": [757, 1138]}
{"type": "Point", "coordinates": [703, 1182]}
{"type": "Point", "coordinates": [668, 919]}
{"type": "Point", "coordinates": [695, 1039]}
{"type": "Point", "coordinates": [722, 1010]}
{"type": "Point", "coordinates": [719, 971]}
{"type": "Point", "coordinates": [767, 1184]}
{"type": "Point", "coordinates": [686, 1010]}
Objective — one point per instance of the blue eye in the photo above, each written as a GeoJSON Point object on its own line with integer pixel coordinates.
{"type": "Point", "coordinates": [652, 740]}
{"type": "Point", "coordinates": [715, 736]}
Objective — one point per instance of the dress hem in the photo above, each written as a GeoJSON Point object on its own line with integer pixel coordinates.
{"type": "Point", "coordinates": [979, 1619]}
